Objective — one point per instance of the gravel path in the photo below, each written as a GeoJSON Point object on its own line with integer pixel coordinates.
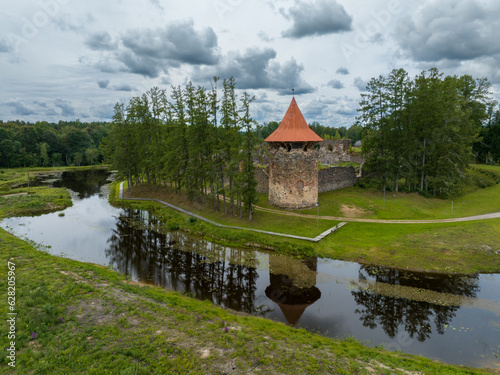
{"type": "Point", "coordinates": [494, 215]}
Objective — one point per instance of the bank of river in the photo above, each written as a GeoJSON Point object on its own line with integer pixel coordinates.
{"type": "Point", "coordinates": [454, 318]}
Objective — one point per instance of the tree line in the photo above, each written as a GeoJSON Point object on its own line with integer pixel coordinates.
{"type": "Point", "coordinates": [420, 132]}
{"type": "Point", "coordinates": [44, 144]}
{"type": "Point", "coordinates": [196, 141]}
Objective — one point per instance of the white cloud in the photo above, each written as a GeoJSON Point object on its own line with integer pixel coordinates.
{"type": "Point", "coordinates": [320, 18]}
{"type": "Point", "coordinates": [451, 30]}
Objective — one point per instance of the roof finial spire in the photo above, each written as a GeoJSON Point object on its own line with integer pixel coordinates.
{"type": "Point", "coordinates": [293, 93]}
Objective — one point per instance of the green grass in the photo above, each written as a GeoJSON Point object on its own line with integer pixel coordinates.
{"type": "Point", "coordinates": [78, 318]}
{"type": "Point", "coordinates": [412, 206]}
{"type": "Point", "coordinates": [33, 201]}
{"type": "Point", "coordinates": [453, 247]}
{"type": "Point", "coordinates": [340, 164]}
{"type": "Point", "coordinates": [459, 247]}
{"type": "Point", "coordinates": [173, 220]}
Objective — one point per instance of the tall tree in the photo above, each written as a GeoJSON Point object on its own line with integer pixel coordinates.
{"type": "Point", "coordinates": [119, 146]}
{"type": "Point", "coordinates": [249, 183]}
{"type": "Point", "coordinates": [230, 139]}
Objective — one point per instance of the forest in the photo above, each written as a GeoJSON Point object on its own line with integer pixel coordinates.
{"type": "Point", "coordinates": [50, 145]}
{"type": "Point", "coordinates": [421, 134]}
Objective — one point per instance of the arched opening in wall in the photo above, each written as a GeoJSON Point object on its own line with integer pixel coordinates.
{"type": "Point", "coordinates": [300, 185]}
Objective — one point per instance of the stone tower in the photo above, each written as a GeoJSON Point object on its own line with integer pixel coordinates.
{"type": "Point", "coordinates": [293, 171]}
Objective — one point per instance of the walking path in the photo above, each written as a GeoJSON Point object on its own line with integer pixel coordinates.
{"type": "Point", "coordinates": [494, 215]}
{"type": "Point", "coordinates": [315, 239]}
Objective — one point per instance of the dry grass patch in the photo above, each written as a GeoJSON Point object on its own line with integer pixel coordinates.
{"type": "Point", "coordinates": [354, 211]}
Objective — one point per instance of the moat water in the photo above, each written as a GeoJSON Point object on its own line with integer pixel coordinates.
{"type": "Point", "coordinates": [453, 318]}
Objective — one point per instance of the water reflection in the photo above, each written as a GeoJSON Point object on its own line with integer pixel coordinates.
{"type": "Point", "coordinates": [84, 183]}
{"type": "Point", "coordinates": [415, 317]}
{"type": "Point", "coordinates": [176, 261]}
{"type": "Point", "coordinates": [291, 298]}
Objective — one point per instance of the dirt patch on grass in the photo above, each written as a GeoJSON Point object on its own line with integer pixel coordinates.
{"type": "Point", "coordinates": [353, 211]}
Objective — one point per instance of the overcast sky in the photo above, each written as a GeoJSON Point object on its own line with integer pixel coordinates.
{"type": "Point", "coordinates": [73, 59]}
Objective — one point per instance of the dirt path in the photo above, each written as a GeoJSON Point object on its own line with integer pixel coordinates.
{"type": "Point", "coordinates": [494, 215]}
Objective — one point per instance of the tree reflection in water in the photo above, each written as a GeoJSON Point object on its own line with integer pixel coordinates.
{"type": "Point", "coordinates": [228, 277]}
{"type": "Point", "coordinates": [177, 261]}
{"type": "Point", "coordinates": [414, 316]}
{"type": "Point", "coordinates": [85, 183]}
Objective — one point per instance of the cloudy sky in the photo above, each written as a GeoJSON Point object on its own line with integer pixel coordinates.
{"type": "Point", "coordinates": [71, 59]}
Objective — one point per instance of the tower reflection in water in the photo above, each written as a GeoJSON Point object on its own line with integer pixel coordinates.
{"type": "Point", "coordinates": [293, 287]}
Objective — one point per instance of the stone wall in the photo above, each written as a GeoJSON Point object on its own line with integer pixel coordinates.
{"type": "Point", "coordinates": [262, 177]}
{"type": "Point", "coordinates": [293, 179]}
{"type": "Point", "coordinates": [334, 152]}
{"type": "Point", "coordinates": [336, 178]}
{"type": "Point", "coordinates": [339, 146]}
{"type": "Point", "coordinates": [330, 153]}
{"type": "Point", "coordinates": [328, 179]}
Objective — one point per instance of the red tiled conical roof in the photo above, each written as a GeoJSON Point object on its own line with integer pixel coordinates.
{"type": "Point", "coordinates": [293, 128]}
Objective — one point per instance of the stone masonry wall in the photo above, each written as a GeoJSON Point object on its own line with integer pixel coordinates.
{"type": "Point", "coordinates": [262, 177]}
{"type": "Point", "coordinates": [336, 178]}
{"type": "Point", "coordinates": [334, 152]}
{"type": "Point", "coordinates": [330, 152]}
{"type": "Point", "coordinates": [293, 179]}
{"type": "Point", "coordinates": [328, 179]}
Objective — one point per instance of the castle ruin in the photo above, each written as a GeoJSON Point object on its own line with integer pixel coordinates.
{"type": "Point", "coordinates": [293, 172]}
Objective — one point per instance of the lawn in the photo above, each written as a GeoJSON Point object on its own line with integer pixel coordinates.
{"type": "Point", "coordinates": [452, 247]}
{"type": "Point", "coordinates": [368, 203]}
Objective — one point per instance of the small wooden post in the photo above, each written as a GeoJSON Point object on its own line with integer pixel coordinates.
{"type": "Point", "coordinates": [28, 179]}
